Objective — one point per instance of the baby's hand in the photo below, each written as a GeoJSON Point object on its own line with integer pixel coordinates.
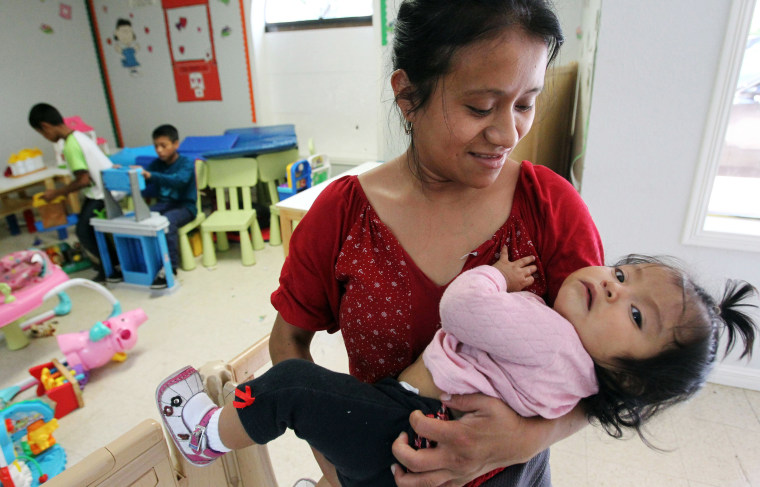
{"type": "Point", "coordinates": [519, 274]}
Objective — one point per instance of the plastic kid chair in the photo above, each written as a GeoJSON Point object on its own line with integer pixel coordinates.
{"type": "Point", "coordinates": [185, 250]}
{"type": "Point", "coordinates": [227, 177]}
{"type": "Point", "coordinates": [273, 170]}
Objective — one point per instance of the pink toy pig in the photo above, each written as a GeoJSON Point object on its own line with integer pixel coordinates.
{"type": "Point", "coordinates": [79, 348]}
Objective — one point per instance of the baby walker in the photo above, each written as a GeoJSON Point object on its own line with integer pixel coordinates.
{"type": "Point", "coordinates": [27, 279]}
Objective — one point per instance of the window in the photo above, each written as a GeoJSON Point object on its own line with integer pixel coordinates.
{"type": "Point", "coordinates": [310, 14]}
{"type": "Point", "coordinates": [725, 209]}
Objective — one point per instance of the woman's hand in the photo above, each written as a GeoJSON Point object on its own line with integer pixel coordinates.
{"type": "Point", "coordinates": [489, 435]}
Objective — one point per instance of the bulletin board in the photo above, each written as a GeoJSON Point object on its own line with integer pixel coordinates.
{"type": "Point", "coordinates": [188, 28]}
{"type": "Point", "coordinates": [184, 62]}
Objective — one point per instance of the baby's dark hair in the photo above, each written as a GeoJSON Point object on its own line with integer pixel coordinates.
{"type": "Point", "coordinates": [166, 130]}
{"type": "Point", "coordinates": [43, 112]}
{"type": "Point", "coordinates": [634, 390]}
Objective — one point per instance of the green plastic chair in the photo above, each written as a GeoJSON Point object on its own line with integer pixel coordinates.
{"type": "Point", "coordinates": [185, 250]}
{"type": "Point", "coordinates": [234, 213]}
{"type": "Point", "coordinates": [273, 170]}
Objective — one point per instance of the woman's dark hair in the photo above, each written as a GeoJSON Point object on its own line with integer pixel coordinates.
{"type": "Point", "coordinates": [42, 112]}
{"type": "Point", "coordinates": [166, 130]}
{"type": "Point", "coordinates": [634, 390]}
{"type": "Point", "coordinates": [428, 33]}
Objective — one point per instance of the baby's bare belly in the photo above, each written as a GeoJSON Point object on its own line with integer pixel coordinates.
{"type": "Point", "coordinates": [418, 376]}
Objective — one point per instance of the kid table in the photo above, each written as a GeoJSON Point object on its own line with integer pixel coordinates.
{"type": "Point", "coordinates": [294, 208]}
{"type": "Point", "coordinates": [49, 177]}
{"type": "Point", "coordinates": [140, 245]}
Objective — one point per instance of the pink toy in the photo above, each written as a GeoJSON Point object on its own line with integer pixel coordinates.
{"type": "Point", "coordinates": [29, 278]}
{"type": "Point", "coordinates": [95, 347]}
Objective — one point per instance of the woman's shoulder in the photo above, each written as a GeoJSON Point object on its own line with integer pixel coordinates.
{"type": "Point", "coordinates": [341, 198]}
{"type": "Point", "coordinates": [345, 189]}
{"type": "Point", "coordinates": [542, 183]}
{"type": "Point", "coordinates": [543, 176]}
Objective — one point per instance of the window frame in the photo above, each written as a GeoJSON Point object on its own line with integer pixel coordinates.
{"type": "Point", "coordinates": [318, 24]}
{"type": "Point", "coordinates": [732, 55]}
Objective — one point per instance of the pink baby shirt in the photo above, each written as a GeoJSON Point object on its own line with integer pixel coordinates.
{"type": "Point", "coordinates": [508, 345]}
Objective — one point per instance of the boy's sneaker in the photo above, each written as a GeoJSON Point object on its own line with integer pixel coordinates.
{"type": "Point", "coordinates": [184, 389]}
{"type": "Point", "coordinates": [116, 276]}
{"type": "Point", "coordinates": [100, 277]}
{"type": "Point", "coordinates": [159, 282]}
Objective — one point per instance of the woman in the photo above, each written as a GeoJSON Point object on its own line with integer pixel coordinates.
{"type": "Point", "coordinates": [375, 253]}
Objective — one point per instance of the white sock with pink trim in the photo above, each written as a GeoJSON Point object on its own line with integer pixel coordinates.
{"type": "Point", "coordinates": [212, 433]}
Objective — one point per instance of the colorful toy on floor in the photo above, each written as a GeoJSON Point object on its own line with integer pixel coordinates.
{"type": "Point", "coordinates": [10, 392]}
{"type": "Point", "coordinates": [299, 178]}
{"type": "Point", "coordinates": [60, 384]}
{"type": "Point", "coordinates": [41, 330]}
{"type": "Point", "coordinates": [30, 455]}
{"type": "Point", "coordinates": [26, 284]}
{"type": "Point", "coordinates": [96, 347]}
{"type": "Point", "coordinates": [71, 257]}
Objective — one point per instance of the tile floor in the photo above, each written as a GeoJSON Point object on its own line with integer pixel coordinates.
{"type": "Point", "coordinates": [712, 441]}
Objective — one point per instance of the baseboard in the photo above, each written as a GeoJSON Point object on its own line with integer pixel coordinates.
{"type": "Point", "coordinates": [729, 375]}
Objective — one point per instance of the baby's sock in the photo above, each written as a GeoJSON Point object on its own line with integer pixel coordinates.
{"type": "Point", "coordinates": [212, 433]}
{"type": "Point", "coordinates": [194, 411]}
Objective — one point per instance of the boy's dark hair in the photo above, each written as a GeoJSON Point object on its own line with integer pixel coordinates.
{"type": "Point", "coordinates": [43, 112]}
{"type": "Point", "coordinates": [637, 389]}
{"type": "Point", "coordinates": [166, 130]}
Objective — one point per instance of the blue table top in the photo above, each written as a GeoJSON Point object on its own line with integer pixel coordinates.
{"type": "Point", "coordinates": [237, 142]}
{"type": "Point", "coordinates": [253, 147]}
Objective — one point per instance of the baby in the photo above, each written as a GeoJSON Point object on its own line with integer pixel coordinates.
{"type": "Point", "coordinates": [631, 339]}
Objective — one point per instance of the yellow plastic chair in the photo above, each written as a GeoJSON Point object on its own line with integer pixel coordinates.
{"type": "Point", "coordinates": [227, 177]}
{"type": "Point", "coordinates": [273, 169]}
{"type": "Point", "coordinates": [187, 257]}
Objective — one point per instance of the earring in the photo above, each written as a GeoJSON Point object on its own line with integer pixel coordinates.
{"type": "Point", "coordinates": [408, 127]}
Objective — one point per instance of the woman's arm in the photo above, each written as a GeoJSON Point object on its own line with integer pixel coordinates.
{"type": "Point", "coordinates": [490, 435]}
{"type": "Point", "coordinates": [288, 341]}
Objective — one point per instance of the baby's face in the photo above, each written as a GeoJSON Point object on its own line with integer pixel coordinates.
{"type": "Point", "coordinates": [628, 311]}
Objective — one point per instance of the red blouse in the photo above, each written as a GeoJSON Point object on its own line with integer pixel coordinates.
{"type": "Point", "coordinates": [346, 270]}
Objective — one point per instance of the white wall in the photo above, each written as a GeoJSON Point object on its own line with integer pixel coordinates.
{"type": "Point", "coordinates": [655, 71]}
{"type": "Point", "coordinates": [321, 80]}
{"type": "Point", "coordinates": [59, 68]}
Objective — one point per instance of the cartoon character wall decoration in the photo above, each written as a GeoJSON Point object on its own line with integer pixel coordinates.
{"type": "Point", "coordinates": [126, 45]}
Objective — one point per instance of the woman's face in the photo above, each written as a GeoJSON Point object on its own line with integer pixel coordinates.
{"type": "Point", "coordinates": [480, 109]}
